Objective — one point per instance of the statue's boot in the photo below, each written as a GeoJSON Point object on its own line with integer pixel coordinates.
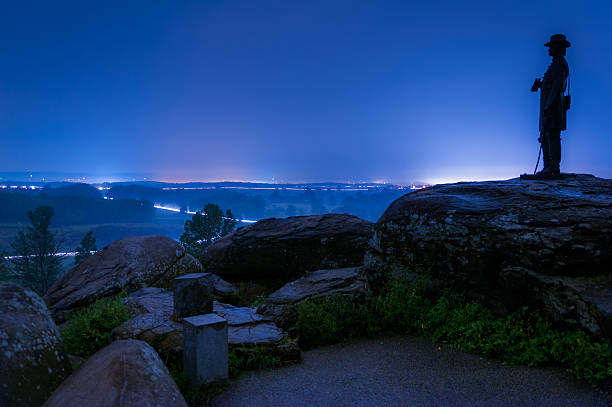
{"type": "Point", "coordinates": [546, 156]}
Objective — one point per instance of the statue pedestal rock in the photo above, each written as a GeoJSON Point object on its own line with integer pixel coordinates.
{"type": "Point", "coordinates": [547, 176]}
{"type": "Point", "coordinates": [205, 353]}
{"type": "Point", "coordinates": [193, 295]}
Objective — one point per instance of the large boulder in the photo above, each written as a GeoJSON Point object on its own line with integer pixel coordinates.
{"type": "Point", "coordinates": [281, 306]}
{"type": "Point", "coordinates": [33, 361]}
{"type": "Point", "coordinates": [127, 264]}
{"type": "Point", "coordinates": [126, 373]}
{"type": "Point", "coordinates": [547, 244]}
{"type": "Point", "coordinates": [154, 324]}
{"type": "Point", "coordinates": [283, 249]}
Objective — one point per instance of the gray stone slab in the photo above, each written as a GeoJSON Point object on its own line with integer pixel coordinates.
{"type": "Point", "coordinates": [193, 294]}
{"type": "Point", "coordinates": [205, 320]}
{"type": "Point", "coordinates": [205, 349]}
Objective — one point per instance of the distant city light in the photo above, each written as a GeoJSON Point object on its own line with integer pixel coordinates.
{"type": "Point", "coordinates": [68, 254]}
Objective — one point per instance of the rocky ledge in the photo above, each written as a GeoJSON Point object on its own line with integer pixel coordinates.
{"type": "Point", "coordinates": [284, 249]}
{"type": "Point", "coordinates": [546, 244]}
{"type": "Point", "coordinates": [154, 324]}
{"type": "Point", "coordinates": [128, 264]}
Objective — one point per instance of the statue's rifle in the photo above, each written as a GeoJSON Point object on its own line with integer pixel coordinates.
{"type": "Point", "coordinates": [538, 163]}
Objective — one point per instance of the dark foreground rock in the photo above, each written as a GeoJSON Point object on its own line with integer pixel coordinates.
{"type": "Point", "coordinates": [33, 361]}
{"type": "Point", "coordinates": [547, 244]}
{"type": "Point", "coordinates": [281, 306]}
{"type": "Point", "coordinates": [127, 264]}
{"type": "Point", "coordinates": [154, 324]}
{"type": "Point", "coordinates": [124, 374]}
{"type": "Point", "coordinates": [284, 249]}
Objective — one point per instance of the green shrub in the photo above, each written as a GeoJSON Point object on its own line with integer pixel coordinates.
{"type": "Point", "coordinates": [254, 358]}
{"type": "Point", "coordinates": [89, 329]}
{"type": "Point", "coordinates": [260, 299]}
{"type": "Point", "coordinates": [522, 338]}
{"type": "Point", "coordinates": [330, 320]}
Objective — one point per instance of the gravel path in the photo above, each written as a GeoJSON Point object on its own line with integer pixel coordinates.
{"type": "Point", "coordinates": [404, 371]}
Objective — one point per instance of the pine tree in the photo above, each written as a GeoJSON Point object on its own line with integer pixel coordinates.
{"type": "Point", "coordinates": [88, 245]}
{"type": "Point", "coordinates": [204, 227]}
{"type": "Point", "coordinates": [37, 265]}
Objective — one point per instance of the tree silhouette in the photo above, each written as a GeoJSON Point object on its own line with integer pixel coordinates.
{"type": "Point", "coordinates": [204, 227]}
{"type": "Point", "coordinates": [37, 265]}
{"type": "Point", "coordinates": [88, 245]}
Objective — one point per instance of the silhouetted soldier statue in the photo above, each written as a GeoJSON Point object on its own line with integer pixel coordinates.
{"type": "Point", "coordinates": [553, 104]}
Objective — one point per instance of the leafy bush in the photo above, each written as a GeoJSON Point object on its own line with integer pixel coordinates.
{"type": "Point", "coordinates": [89, 329]}
{"type": "Point", "coordinates": [524, 338]}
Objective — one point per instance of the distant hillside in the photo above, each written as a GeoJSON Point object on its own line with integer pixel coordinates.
{"type": "Point", "coordinates": [259, 201]}
{"type": "Point", "coordinates": [116, 210]}
{"type": "Point", "coordinates": [73, 209]}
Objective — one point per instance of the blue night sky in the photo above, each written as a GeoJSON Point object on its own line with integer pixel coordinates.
{"type": "Point", "coordinates": [297, 90]}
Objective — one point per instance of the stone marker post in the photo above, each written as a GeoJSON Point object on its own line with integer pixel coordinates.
{"type": "Point", "coordinates": [193, 295]}
{"type": "Point", "coordinates": [205, 349]}
{"type": "Point", "coordinates": [204, 333]}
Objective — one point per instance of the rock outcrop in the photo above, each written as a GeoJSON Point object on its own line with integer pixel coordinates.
{"type": "Point", "coordinates": [547, 244]}
{"type": "Point", "coordinates": [283, 249]}
{"type": "Point", "coordinates": [126, 373]}
{"type": "Point", "coordinates": [154, 324]}
{"type": "Point", "coordinates": [33, 361]}
{"type": "Point", "coordinates": [127, 264]}
{"type": "Point", "coordinates": [223, 289]}
{"type": "Point", "coordinates": [281, 306]}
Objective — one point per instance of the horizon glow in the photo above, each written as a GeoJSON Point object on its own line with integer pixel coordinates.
{"type": "Point", "coordinates": [278, 92]}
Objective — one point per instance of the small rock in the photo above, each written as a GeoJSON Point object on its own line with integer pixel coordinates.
{"type": "Point", "coordinates": [281, 306]}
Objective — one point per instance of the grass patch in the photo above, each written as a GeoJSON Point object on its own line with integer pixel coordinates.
{"type": "Point", "coordinates": [523, 338]}
{"type": "Point", "coordinates": [89, 329]}
{"type": "Point", "coordinates": [260, 299]}
{"type": "Point", "coordinates": [252, 358]}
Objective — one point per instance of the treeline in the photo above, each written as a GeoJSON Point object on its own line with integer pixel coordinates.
{"type": "Point", "coordinates": [76, 209]}
{"type": "Point", "coordinates": [259, 204]}
{"type": "Point", "coordinates": [245, 204]}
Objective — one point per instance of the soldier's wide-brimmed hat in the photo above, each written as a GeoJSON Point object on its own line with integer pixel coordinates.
{"type": "Point", "coordinates": [558, 39]}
